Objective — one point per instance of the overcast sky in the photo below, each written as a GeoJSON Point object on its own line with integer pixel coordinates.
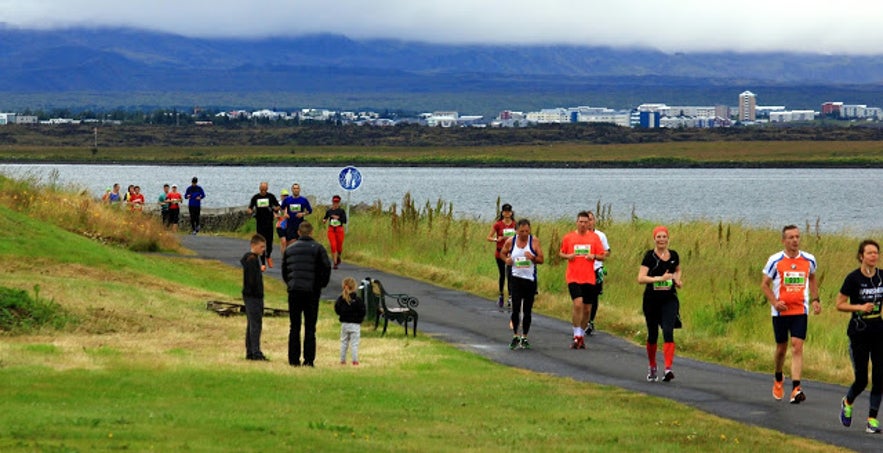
{"type": "Point", "coordinates": [842, 26]}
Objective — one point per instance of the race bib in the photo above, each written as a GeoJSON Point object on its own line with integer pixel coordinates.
{"type": "Point", "coordinates": [794, 281]}
{"type": "Point", "coordinates": [263, 203]}
{"type": "Point", "coordinates": [335, 223]}
{"type": "Point", "coordinates": [521, 261]}
{"type": "Point", "coordinates": [665, 285]}
{"type": "Point", "coordinates": [295, 207]}
{"type": "Point", "coordinates": [508, 232]}
{"type": "Point", "coordinates": [582, 249]}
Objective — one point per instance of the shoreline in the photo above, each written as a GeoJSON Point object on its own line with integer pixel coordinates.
{"type": "Point", "coordinates": [643, 163]}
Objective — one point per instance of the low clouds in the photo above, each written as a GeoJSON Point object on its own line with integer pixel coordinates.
{"type": "Point", "coordinates": [842, 27]}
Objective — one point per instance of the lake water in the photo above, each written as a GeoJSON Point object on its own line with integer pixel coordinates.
{"type": "Point", "coordinates": [845, 200]}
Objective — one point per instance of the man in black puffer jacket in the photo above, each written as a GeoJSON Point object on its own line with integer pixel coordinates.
{"type": "Point", "coordinates": [306, 269]}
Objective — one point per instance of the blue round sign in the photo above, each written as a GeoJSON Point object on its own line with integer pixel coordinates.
{"type": "Point", "coordinates": [350, 178]}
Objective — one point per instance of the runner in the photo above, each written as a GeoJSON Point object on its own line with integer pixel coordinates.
{"type": "Point", "coordinates": [281, 221]}
{"type": "Point", "coordinates": [335, 218]}
{"type": "Point", "coordinates": [164, 205]}
{"type": "Point", "coordinates": [174, 199]}
{"type": "Point", "coordinates": [263, 206]}
{"type": "Point", "coordinates": [581, 248]}
{"type": "Point", "coordinates": [295, 207]}
{"type": "Point", "coordinates": [194, 194]}
{"type": "Point", "coordinates": [862, 295]}
{"type": "Point", "coordinates": [600, 272]}
{"type": "Point", "coordinates": [661, 273]}
{"type": "Point", "coordinates": [522, 253]}
{"type": "Point", "coordinates": [501, 231]}
{"type": "Point", "coordinates": [136, 200]}
{"type": "Point", "coordinates": [789, 285]}
{"type": "Point", "coordinates": [114, 198]}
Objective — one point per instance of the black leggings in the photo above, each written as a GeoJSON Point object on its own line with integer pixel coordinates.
{"type": "Point", "coordinates": [661, 312]}
{"type": "Point", "coordinates": [522, 291]}
{"type": "Point", "coordinates": [861, 348]}
{"type": "Point", "coordinates": [194, 217]}
{"type": "Point", "coordinates": [504, 271]}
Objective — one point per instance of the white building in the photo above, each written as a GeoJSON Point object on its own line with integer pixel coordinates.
{"type": "Point", "coordinates": [442, 119]}
{"type": "Point", "coordinates": [860, 112]}
{"type": "Point", "coordinates": [7, 118]}
{"type": "Point", "coordinates": [747, 106]}
{"type": "Point", "coordinates": [792, 116]}
{"type": "Point", "coordinates": [549, 116]}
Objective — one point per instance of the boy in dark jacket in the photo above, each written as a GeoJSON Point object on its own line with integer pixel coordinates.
{"type": "Point", "coordinates": [253, 296]}
{"type": "Point", "coordinates": [351, 310]}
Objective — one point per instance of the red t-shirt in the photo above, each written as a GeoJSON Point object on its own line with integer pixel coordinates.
{"type": "Point", "coordinates": [174, 199]}
{"type": "Point", "coordinates": [505, 231]}
{"type": "Point", "coordinates": [581, 269]}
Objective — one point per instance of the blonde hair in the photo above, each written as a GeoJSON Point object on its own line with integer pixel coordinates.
{"type": "Point", "coordinates": [349, 286]}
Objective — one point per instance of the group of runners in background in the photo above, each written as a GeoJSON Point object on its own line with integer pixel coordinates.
{"type": "Point", "coordinates": [788, 284]}
{"type": "Point", "coordinates": [169, 202]}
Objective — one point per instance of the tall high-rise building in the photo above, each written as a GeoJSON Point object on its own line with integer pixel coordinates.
{"type": "Point", "coordinates": [747, 106]}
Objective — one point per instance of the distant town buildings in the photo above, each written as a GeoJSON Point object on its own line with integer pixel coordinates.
{"type": "Point", "coordinates": [648, 115]}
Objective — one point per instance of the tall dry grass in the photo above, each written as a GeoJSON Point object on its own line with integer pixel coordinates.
{"type": "Point", "coordinates": [74, 210]}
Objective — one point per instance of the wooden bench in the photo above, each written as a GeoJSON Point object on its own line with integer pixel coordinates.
{"type": "Point", "coordinates": [401, 312]}
{"type": "Point", "coordinates": [233, 308]}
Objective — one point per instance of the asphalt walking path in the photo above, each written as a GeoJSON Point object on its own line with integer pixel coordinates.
{"type": "Point", "coordinates": [476, 324]}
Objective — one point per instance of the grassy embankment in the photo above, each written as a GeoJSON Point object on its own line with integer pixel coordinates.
{"type": "Point", "coordinates": [726, 318]}
{"type": "Point", "coordinates": [140, 365]}
{"type": "Point", "coordinates": [679, 154]}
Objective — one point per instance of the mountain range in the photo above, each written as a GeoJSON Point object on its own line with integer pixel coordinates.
{"type": "Point", "coordinates": [120, 62]}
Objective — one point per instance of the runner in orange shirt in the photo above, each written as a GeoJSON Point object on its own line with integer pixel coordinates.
{"type": "Point", "coordinates": [581, 248]}
{"type": "Point", "coordinates": [790, 286]}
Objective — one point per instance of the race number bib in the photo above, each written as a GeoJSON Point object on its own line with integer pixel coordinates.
{"type": "Point", "coordinates": [582, 249]}
{"type": "Point", "coordinates": [665, 285]}
{"type": "Point", "coordinates": [521, 262]}
{"type": "Point", "coordinates": [263, 203]}
{"type": "Point", "coordinates": [335, 223]}
{"type": "Point", "coordinates": [794, 281]}
{"type": "Point", "coordinates": [508, 232]}
{"type": "Point", "coordinates": [295, 207]}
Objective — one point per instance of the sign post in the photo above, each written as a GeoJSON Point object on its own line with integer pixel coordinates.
{"type": "Point", "coordinates": [350, 179]}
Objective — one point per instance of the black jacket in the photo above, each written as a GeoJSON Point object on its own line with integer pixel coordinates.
{"type": "Point", "coordinates": [305, 265]}
{"type": "Point", "coordinates": [252, 277]}
{"type": "Point", "coordinates": [353, 312]}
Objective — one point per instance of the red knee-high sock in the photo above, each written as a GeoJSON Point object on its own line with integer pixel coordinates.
{"type": "Point", "coordinates": [668, 349]}
{"type": "Point", "coordinates": [651, 354]}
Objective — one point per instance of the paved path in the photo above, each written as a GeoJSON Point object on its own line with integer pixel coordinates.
{"type": "Point", "coordinates": [476, 324]}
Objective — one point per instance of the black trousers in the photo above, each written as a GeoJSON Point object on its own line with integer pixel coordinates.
{"type": "Point", "coordinates": [254, 313]}
{"type": "Point", "coordinates": [267, 232]}
{"type": "Point", "coordinates": [194, 218]}
{"type": "Point", "coordinates": [302, 304]}
{"type": "Point", "coordinates": [864, 347]}
{"type": "Point", "coordinates": [523, 294]}
{"type": "Point", "coordinates": [661, 312]}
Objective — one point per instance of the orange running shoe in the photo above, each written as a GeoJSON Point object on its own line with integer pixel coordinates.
{"type": "Point", "coordinates": [797, 395]}
{"type": "Point", "coordinates": [779, 389]}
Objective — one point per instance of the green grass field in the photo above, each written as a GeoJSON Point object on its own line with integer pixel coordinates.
{"type": "Point", "coordinates": [142, 366]}
{"type": "Point", "coordinates": [679, 154]}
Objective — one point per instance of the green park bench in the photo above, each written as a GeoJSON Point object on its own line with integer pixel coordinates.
{"type": "Point", "coordinates": [389, 307]}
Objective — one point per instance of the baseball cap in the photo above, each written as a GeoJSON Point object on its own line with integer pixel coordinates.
{"type": "Point", "coordinates": [284, 192]}
{"type": "Point", "coordinates": [506, 207]}
{"type": "Point", "coordinates": [335, 198]}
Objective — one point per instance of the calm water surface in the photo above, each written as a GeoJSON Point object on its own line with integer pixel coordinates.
{"type": "Point", "coordinates": [846, 200]}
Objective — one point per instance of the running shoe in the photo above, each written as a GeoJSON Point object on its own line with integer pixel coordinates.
{"type": "Point", "coordinates": [575, 344]}
{"type": "Point", "coordinates": [582, 343]}
{"type": "Point", "coordinates": [873, 426]}
{"type": "Point", "coordinates": [845, 413]}
{"type": "Point", "coordinates": [590, 329]}
{"type": "Point", "coordinates": [509, 301]}
{"type": "Point", "coordinates": [797, 395]}
{"type": "Point", "coordinates": [524, 343]}
{"type": "Point", "coordinates": [778, 390]}
{"type": "Point", "coordinates": [651, 374]}
{"type": "Point", "coordinates": [514, 343]}
{"type": "Point", "coordinates": [500, 301]}
{"type": "Point", "coordinates": [669, 375]}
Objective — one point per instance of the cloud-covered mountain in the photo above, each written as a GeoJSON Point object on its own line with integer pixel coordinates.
{"type": "Point", "coordinates": [128, 60]}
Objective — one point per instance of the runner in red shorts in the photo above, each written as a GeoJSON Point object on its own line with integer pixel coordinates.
{"type": "Point", "coordinates": [335, 218]}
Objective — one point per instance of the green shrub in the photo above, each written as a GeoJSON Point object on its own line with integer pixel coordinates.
{"type": "Point", "coordinates": [20, 313]}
